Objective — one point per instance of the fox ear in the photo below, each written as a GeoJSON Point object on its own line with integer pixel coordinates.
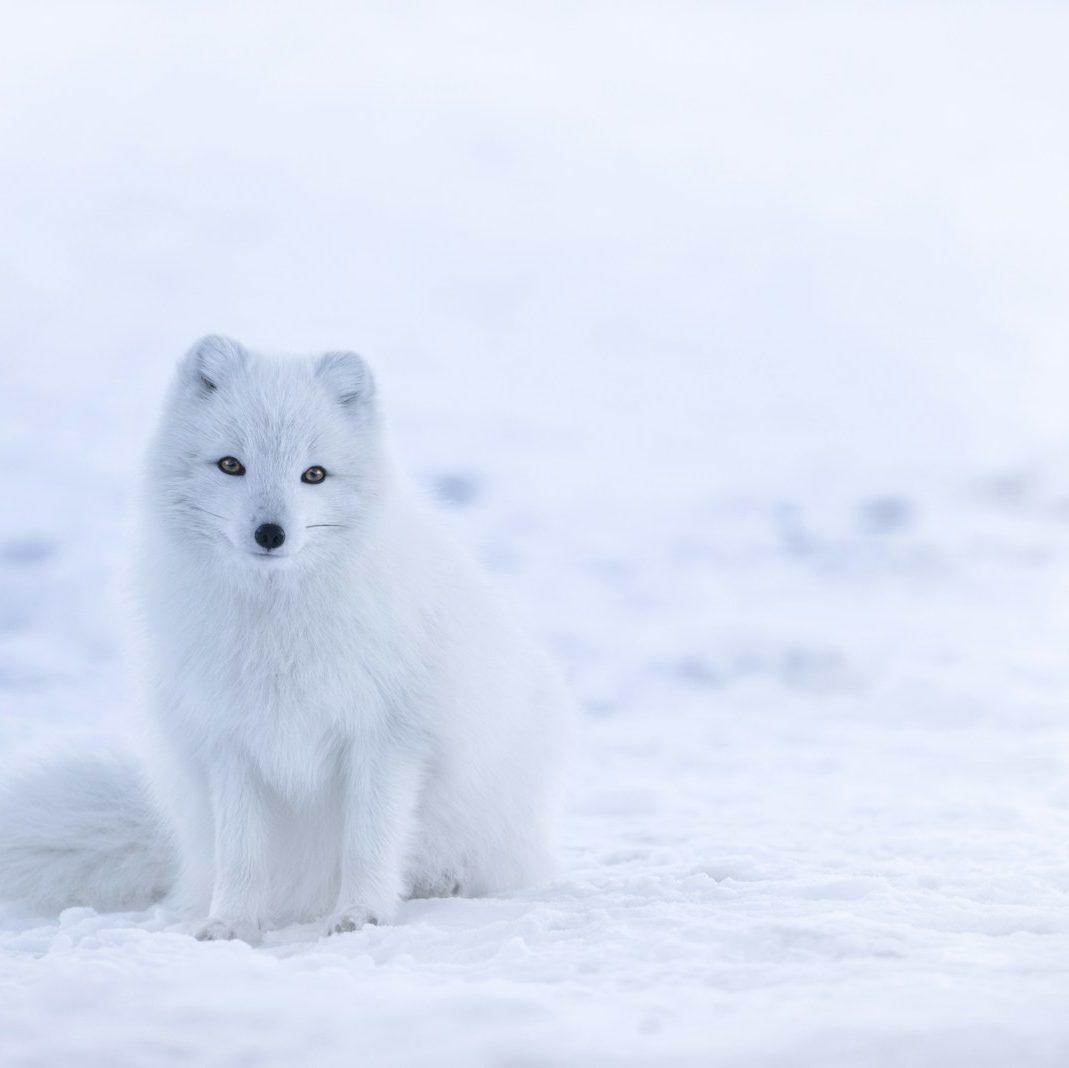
{"type": "Point", "coordinates": [347, 376]}
{"type": "Point", "coordinates": [211, 360]}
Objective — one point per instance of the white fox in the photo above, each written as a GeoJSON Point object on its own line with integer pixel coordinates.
{"type": "Point", "coordinates": [342, 717]}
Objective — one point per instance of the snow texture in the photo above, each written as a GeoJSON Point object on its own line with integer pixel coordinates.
{"type": "Point", "coordinates": [735, 339]}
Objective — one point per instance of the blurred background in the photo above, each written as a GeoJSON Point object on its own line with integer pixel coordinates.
{"type": "Point", "coordinates": [748, 246]}
{"type": "Point", "coordinates": [732, 336]}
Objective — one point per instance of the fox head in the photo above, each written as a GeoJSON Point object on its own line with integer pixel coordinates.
{"type": "Point", "coordinates": [267, 461]}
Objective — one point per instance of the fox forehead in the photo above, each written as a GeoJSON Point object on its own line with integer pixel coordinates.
{"type": "Point", "coordinates": [268, 437]}
{"type": "Point", "coordinates": [273, 425]}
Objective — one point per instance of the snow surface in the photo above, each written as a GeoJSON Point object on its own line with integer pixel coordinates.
{"type": "Point", "coordinates": [735, 339]}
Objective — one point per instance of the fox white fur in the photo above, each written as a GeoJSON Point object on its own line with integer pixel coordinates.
{"type": "Point", "coordinates": [338, 723]}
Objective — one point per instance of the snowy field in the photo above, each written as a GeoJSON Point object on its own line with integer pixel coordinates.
{"type": "Point", "coordinates": [735, 340]}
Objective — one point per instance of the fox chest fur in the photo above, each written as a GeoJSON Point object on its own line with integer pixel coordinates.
{"type": "Point", "coordinates": [291, 676]}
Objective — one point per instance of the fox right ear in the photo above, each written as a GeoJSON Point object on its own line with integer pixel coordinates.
{"type": "Point", "coordinates": [347, 376]}
{"type": "Point", "coordinates": [210, 360]}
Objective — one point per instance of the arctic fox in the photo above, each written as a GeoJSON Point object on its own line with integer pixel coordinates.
{"type": "Point", "coordinates": [341, 715]}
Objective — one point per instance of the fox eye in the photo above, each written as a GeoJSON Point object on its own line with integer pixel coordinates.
{"type": "Point", "coordinates": [313, 475]}
{"type": "Point", "coordinates": [231, 466]}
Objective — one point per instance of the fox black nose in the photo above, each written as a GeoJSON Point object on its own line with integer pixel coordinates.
{"type": "Point", "coordinates": [269, 535]}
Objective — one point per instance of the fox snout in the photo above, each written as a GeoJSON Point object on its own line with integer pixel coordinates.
{"type": "Point", "coordinates": [269, 536]}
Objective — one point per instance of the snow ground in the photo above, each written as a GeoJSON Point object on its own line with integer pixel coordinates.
{"type": "Point", "coordinates": [734, 337]}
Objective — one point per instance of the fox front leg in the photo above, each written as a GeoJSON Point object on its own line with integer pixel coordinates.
{"type": "Point", "coordinates": [380, 802]}
{"type": "Point", "coordinates": [240, 872]}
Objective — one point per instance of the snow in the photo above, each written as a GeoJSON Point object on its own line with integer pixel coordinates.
{"type": "Point", "coordinates": [733, 337]}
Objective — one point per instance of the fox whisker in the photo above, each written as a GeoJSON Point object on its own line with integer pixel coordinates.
{"type": "Point", "coordinates": [198, 508]}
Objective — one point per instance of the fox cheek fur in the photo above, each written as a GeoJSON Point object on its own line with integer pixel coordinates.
{"type": "Point", "coordinates": [342, 716]}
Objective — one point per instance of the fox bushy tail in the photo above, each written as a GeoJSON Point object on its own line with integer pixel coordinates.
{"type": "Point", "coordinates": [82, 830]}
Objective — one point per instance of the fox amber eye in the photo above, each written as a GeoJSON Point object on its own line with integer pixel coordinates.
{"type": "Point", "coordinates": [314, 475]}
{"type": "Point", "coordinates": [231, 466]}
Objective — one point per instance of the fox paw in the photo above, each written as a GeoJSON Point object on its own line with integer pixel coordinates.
{"type": "Point", "coordinates": [352, 919]}
{"type": "Point", "coordinates": [225, 931]}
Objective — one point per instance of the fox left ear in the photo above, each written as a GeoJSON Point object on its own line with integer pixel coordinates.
{"type": "Point", "coordinates": [211, 361]}
{"type": "Point", "coordinates": [347, 376]}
